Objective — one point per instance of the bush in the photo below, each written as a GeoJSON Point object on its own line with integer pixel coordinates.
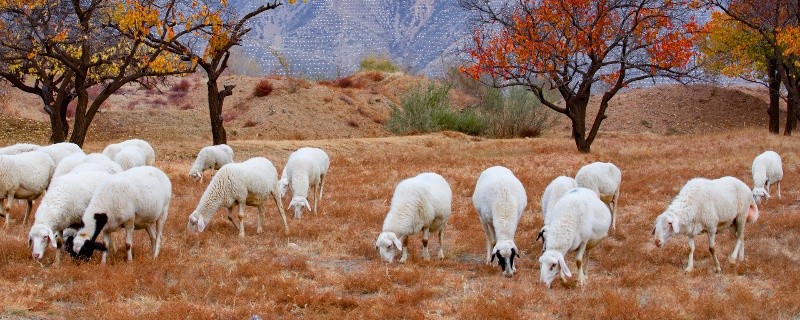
{"type": "Point", "coordinates": [182, 86]}
{"type": "Point", "coordinates": [262, 89]}
{"type": "Point", "coordinates": [428, 110]}
{"type": "Point", "coordinates": [514, 113]}
{"type": "Point", "coordinates": [378, 63]}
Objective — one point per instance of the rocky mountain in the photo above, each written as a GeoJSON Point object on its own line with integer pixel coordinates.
{"type": "Point", "coordinates": [326, 38]}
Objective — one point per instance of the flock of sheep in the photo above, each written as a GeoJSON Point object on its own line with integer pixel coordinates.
{"type": "Point", "coordinates": [97, 194]}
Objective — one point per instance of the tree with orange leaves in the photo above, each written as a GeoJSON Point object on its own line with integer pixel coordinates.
{"type": "Point", "coordinates": [581, 47]}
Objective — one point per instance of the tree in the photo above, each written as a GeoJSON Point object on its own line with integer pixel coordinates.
{"type": "Point", "coordinates": [579, 47]}
{"type": "Point", "coordinates": [66, 47]}
{"type": "Point", "coordinates": [732, 49]}
{"type": "Point", "coordinates": [775, 22]}
{"type": "Point", "coordinates": [218, 30]}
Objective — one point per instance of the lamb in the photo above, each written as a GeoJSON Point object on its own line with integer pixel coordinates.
{"type": "Point", "coordinates": [305, 167]}
{"type": "Point", "coordinates": [211, 157]}
{"type": "Point", "coordinates": [500, 200]}
{"type": "Point", "coordinates": [245, 183]}
{"type": "Point", "coordinates": [18, 148]}
{"type": "Point", "coordinates": [62, 207]}
{"type": "Point", "coordinates": [554, 191]}
{"type": "Point", "coordinates": [147, 150]}
{"type": "Point", "coordinates": [767, 169]}
{"type": "Point", "coordinates": [23, 176]}
{"type": "Point", "coordinates": [704, 205]}
{"type": "Point", "coordinates": [72, 161]}
{"type": "Point", "coordinates": [419, 203]}
{"type": "Point", "coordinates": [580, 221]}
{"type": "Point", "coordinates": [130, 157]}
{"type": "Point", "coordinates": [59, 151]}
{"type": "Point", "coordinates": [134, 199]}
{"type": "Point", "coordinates": [604, 179]}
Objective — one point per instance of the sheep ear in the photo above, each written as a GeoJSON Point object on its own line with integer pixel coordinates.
{"type": "Point", "coordinates": [397, 243]}
{"type": "Point", "coordinates": [563, 265]}
{"type": "Point", "coordinates": [52, 237]}
{"type": "Point", "coordinates": [201, 225]}
{"type": "Point", "coordinates": [540, 235]}
{"type": "Point", "coordinates": [654, 231]}
{"type": "Point", "coordinates": [308, 206]}
{"type": "Point", "coordinates": [97, 246]}
{"type": "Point", "coordinates": [675, 226]}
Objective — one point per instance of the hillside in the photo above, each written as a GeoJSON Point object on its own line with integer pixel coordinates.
{"type": "Point", "coordinates": [360, 105]}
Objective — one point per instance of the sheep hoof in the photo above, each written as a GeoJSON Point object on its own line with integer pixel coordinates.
{"type": "Point", "coordinates": [688, 269]}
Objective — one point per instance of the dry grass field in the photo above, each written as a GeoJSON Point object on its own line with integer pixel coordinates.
{"type": "Point", "coordinates": [327, 265]}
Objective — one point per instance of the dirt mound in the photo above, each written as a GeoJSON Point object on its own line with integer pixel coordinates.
{"type": "Point", "coordinates": [359, 106]}
{"type": "Point", "coordinates": [678, 109]}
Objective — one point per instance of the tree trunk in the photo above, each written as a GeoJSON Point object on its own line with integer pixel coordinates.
{"type": "Point", "coordinates": [59, 127]}
{"type": "Point", "coordinates": [577, 113]}
{"type": "Point", "coordinates": [774, 97]}
{"type": "Point", "coordinates": [791, 116]}
{"type": "Point", "coordinates": [215, 100]}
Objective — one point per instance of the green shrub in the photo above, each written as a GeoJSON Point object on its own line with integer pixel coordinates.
{"type": "Point", "coordinates": [378, 63]}
{"type": "Point", "coordinates": [514, 113]}
{"type": "Point", "coordinates": [427, 109]}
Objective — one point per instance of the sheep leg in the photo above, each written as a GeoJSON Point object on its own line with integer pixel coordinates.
{"type": "Point", "coordinates": [28, 209]}
{"type": "Point", "coordinates": [441, 243]}
{"type": "Point", "coordinates": [59, 247]}
{"type": "Point", "coordinates": [151, 232]}
{"type": "Point", "coordinates": [579, 263]}
{"type": "Point", "coordinates": [586, 265]}
{"type": "Point", "coordinates": [404, 257]}
{"type": "Point", "coordinates": [107, 240]}
{"type": "Point", "coordinates": [690, 264]}
{"type": "Point", "coordinates": [129, 240]}
{"type": "Point", "coordinates": [230, 217]}
{"type": "Point", "coordinates": [7, 206]}
{"type": "Point", "coordinates": [489, 244]}
{"type": "Point", "coordinates": [260, 217]}
{"type": "Point", "coordinates": [615, 200]}
{"type": "Point", "coordinates": [738, 249]}
{"type": "Point", "coordinates": [712, 234]}
{"type": "Point", "coordinates": [316, 187]}
{"type": "Point", "coordinates": [241, 219]}
{"type": "Point", "coordinates": [160, 229]}
{"type": "Point", "coordinates": [425, 234]}
{"type": "Point", "coordinates": [779, 189]}
{"type": "Point", "coordinates": [321, 185]}
{"type": "Point", "coordinates": [277, 199]}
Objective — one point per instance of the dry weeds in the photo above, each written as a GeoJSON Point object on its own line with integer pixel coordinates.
{"type": "Point", "coordinates": [326, 265]}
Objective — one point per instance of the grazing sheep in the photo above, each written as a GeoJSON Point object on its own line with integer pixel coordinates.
{"type": "Point", "coordinates": [59, 151]}
{"type": "Point", "coordinates": [19, 148]}
{"type": "Point", "coordinates": [23, 176]}
{"type": "Point", "coordinates": [211, 157]}
{"type": "Point", "coordinates": [419, 203]}
{"type": "Point", "coordinates": [146, 149]}
{"type": "Point", "coordinates": [61, 207]}
{"type": "Point", "coordinates": [604, 179]}
{"type": "Point", "coordinates": [554, 191]}
{"type": "Point", "coordinates": [580, 221]}
{"type": "Point", "coordinates": [705, 205]}
{"type": "Point", "coordinates": [305, 167]}
{"type": "Point", "coordinates": [246, 183]}
{"type": "Point", "coordinates": [68, 164]}
{"type": "Point", "coordinates": [134, 199]}
{"type": "Point", "coordinates": [767, 169]}
{"type": "Point", "coordinates": [130, 157]}
{"type": "Point", "coordinates": [500, 200]}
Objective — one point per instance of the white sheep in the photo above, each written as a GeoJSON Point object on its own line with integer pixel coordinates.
{"type": "Point", "coordinates": [147, 150]}
{"type": "Point", "coordinates": [134, 199]}
{"type": "Point", "coordinates": [767, 169]}
{"type": "Point", "coordinates": [68, 164]}
{"type": "Point", "coordinates": [305, 167]}
{"type": "Point", "coordinates": [211, 157]}
{"type": "Point", "coordinates": [580, 221]}
{"type": "Point", "coordinates": [24, 176]}
{"type": "Point", "coordinates": [705, 205]}
{"type": "Point", "coordinates": [130, 157]}
{"type": "Point", "coordinates": [603, 178]}
{"type": "Point", "coordinates": [246, 183]}
{"type": "Point", "coordinates": [59, 151]}
{"type": "Point", "coordinates": [18, 148]}
{"type": "Point", "coordinates": [61, 207]}
{"type": "Point", "coordinates": [421, 203]}
{"type": "Point", "coordinates": [500, 200]}
{"type": "Point", "coordinates": [554, 191]}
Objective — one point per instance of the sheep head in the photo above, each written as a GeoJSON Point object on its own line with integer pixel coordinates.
{"type": "Point", "coordinates": [196, 222]}
{"type": "Point", "coordinates": [38, 238]}
{"type": "Point", "coordinates": [552, 264]}
{"type": "Point", "coordinates": [760, 194]}
{"type": "Point", "coordinates": [299, 203]}
{"type": "Point", "coordinates": [667, 225]}
{"type": "Point", "coordinates": [505, 252]}
{"type": "Point", "coordinates": [388, 244]}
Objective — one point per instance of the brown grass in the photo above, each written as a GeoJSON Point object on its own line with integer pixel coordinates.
{"type": "Point", "coordinates": [326, 266]}
{"type": "Point", "coordinates": [263, 88]}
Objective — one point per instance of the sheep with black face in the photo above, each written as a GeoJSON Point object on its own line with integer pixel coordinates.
{"type": "Point", "coordinates": [500, 200]}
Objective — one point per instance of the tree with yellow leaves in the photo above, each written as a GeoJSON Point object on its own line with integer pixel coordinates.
{"type": "Point", "coordinates": [59, 49]}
